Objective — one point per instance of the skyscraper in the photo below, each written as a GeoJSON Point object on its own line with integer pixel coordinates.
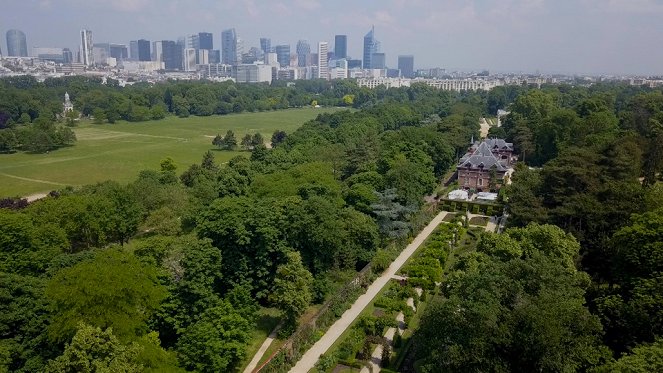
{"type": "Point", "coordinates": [229, 47]}
{"type": "Point", "coordinates": [133, 50]}
{"type": "Point", "coordinates": [205, 40]}
{"type": "Point", "coordinates": [283, 54]}
{"type": "Point", "coordinates": [371, 46]}
{"type": "Point", "coordinates": [406, 66]}
{"type": "Point", "coordinates": [189, 59]}
{"type": "Point", "coordinates": [378, 61]}
{"type": "Point", "coordinates": [303, 53]}
{"type": "Point", "coordinates": [266, 45]}
{"type": "Point", "coordinates": [323, 67]}
{"type": "Point", "coordinates": [172, 55]}
{"type": "Point", "coordinates": [143, 50]}
{"type": "Point", "coordinates": [119, 51]}
{"type": "Point", "coordinates": [17, 46]}
{"type": "Point", "coordinates": [86, 56]}
{"type": "Point", "coordinates": [340, 46]}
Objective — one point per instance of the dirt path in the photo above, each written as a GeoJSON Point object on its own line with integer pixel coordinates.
{"type": "Point", "coordinates": [307, 362]}
{"type": "Point", "coordinates": [484, 128]}
{"type": "Point", "coordinates": [261, 351]}
{"type": "Point", "coordinates": [33, 180]}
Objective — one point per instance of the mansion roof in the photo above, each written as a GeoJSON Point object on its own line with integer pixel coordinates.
{"type": "Point", "coordinates": [483, 158]}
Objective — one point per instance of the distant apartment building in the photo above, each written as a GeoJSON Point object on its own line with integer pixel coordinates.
{"type": "Point", "coordinates": [323, 67]}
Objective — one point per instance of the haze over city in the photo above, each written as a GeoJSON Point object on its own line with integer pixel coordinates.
{"type": "Point", "coordinates": [585, 36]}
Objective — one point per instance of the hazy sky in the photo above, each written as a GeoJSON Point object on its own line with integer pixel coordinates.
{"type": "Point", "coordinates": [568, 36]}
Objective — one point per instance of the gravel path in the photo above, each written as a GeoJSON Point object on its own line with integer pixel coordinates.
{"type": "Point", "coordinates": [307, 362]}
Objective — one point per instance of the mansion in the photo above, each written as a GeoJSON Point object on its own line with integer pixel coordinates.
{"type": "Point", "coordinates": [483, 160]}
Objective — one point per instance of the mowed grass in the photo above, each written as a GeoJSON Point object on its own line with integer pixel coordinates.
{"type": "Point", "coordinates": [119, 151]}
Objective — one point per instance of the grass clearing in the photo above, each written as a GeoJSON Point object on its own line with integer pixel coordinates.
{"type": "Point", "coordinates": [119, 151]}
{"type": "Point", "coordinates": [479, 220]}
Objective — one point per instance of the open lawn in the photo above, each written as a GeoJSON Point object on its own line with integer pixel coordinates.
{"type": "Point", "coordinates": [119, 151]}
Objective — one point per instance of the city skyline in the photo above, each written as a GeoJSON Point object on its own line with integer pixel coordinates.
{"type": "Point", "coordinates": [585, 36]}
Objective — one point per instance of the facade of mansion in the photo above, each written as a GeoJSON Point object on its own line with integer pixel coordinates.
{"type": "Point", "coordinates": [474, 168]}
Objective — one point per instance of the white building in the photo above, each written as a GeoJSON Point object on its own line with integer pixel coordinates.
{"type": "Point", "coordinates": [387, 82]}
{"type": "Point", "coordinates": [252, 74]}
{"type": "Point", "coordinates": [323, 67]}
{"type": "Point", "coordinates": [86, 56]}
{"type": "Point", "coordinates": [203, 56]}
{"type": "Point", "coordinates": [189, 59]}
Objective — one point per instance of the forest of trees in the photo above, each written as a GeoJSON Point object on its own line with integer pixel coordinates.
{"type": "Point", "coordinates": [576, 284]}
{"type": "Point", "coordinates": [167, 273]}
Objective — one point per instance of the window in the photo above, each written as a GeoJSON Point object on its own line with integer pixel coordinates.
{"type": "Point", "coordinates": [480, 182]}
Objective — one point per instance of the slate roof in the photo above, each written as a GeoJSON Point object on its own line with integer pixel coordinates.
{"type": "Point", "coordinates": [498, 143]}
{"type": "Point", "coordinates": [482, 157]}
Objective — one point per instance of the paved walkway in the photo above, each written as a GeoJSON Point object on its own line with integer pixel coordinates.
{"type": "Point", "coordinates": [307, 362]}
{"type": "Point", "coordinates": [261, 351]}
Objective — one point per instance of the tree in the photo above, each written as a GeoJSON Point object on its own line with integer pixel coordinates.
{"type": "Point", "coordinates": [217, 342]}
{"type": "Point", "coordinates": [208, 162]}
{"type": "Point", "coordinates": [247, 141]}
{"type": "Point", "coordinates": [278, 137]}
{"type": "Point", "coordinates": [229, 141]}
{"type": "Point", "coordinates": [642, 359]}
{"type": "Point", "coordinates": [292, 290]}
{"type": "Point", "coordinates": [99, 115]}
{"type": "Point", "coordinates": [218, 141]}
{"type": "Point", "coordinates": [94, 350]}
{"type": "Point", "coordinates": [114, 289]}
{"type": "Point", "coordinates": [257, 139]}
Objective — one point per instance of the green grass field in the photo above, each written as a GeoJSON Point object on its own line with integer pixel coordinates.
{"type": "Point", "coordinates": [119, 151]}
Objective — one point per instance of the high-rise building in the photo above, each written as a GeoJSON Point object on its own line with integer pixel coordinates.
{"type": "Point", "coordinates": [193, 42]}
{"type": "Point", "coordinates": [119, 51]}
{"type": "Point", "coordinates": [17, 46]}
{"type": "Point", "coordinates": [133, 50]}
{"type": "Point", "coordinates": [86, 56]}
{"type": "Point", "coordinates": [214, 56]}
{"type": "Point", "coordinates": [303, 53]}
{"type": "Point", "coordinates": [143, 50]}
{"type": "Point", "coordinates": [378, 61]}
{"type": "Point", "coordinates": [172, 55]}
{"type": "Point", "coordinates": [406, 66]}
{"type": "Point", "coordinates": [67, 55]}
{"type": "Point", "coordinates": [202, 57]}
{"type": "Point", "coordinates": [157, 51]}
{"type": "Point", "coordinates": [49, 54]}
{"type": "Point", "coordinates": [340, 46]}
{"type": "Point", "coordinates": [266, 45]}
{"type": "Point", "coordinates": [229, 47]}
{"type": "Point", "coordinates": [189, 59]}
{"type": "Point", "coordinates": [283, 54]}
{"type": "Point", "coordinates": [371, 46]}
{"type": "Point", "coordinates": [205, 40]}
{"type": "Point", "coordinates": [323, 67]}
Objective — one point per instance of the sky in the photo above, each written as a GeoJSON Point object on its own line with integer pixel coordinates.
{"type": "Point", "coordinates": [549, 36]}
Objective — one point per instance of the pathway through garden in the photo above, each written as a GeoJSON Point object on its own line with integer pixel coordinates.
{"type": "Point", "coordinates": [307, 362]}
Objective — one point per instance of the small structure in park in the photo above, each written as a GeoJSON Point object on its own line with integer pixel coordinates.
{"type": "Point", "coordinates": [67, 106]}
{"type": "Point", "coordinates": [459, 194]}
{"type": "Point", "coordinates": [485, 165]}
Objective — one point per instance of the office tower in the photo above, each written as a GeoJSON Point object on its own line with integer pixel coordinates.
{"type": "Point", "coordinates": [239, 50]}
{"type": "Point", "coordinates": [266, 45]}
{"type": "Point", "coordinates": [143, 50]}
{"type": "Point", "coordinates": [17, 46]}
{"type": "Point", "coordinates": [133, 50]}
{"type": "Point", "coordinates": [172, 54]}
{"type": "Point", "coordinates": [205, 40]}
{"type": "Point", "coordinates": [189, 59]}
{"type": "Point", "coordinates": [406, 66]}
{"type": "Point", "coordinates": [157, 51]}
{"type": "Point", "coordinates": [202, 57]}
{"type": "Point", "coordinates": [354, 64]}
{"type": "Point", "coordinates": [119, 51]}
{"type": "Point", "coordinates": [215, 56]}
{"type": "Point", "coordinates": [378, 61]}
{"type": "Point", "coordinates": [371, 46]}
{"type": "Point", "coordinates": [86, 57]}
{"type": "Point", "coordinates": [303, 53]}
{"type": "Point", "coordinates": [340, 46]}
{"type": "Point", "coordinates": [271, 59]}
{"type": "Point", "coordinates": [100, 53]}
{"type": "Point", "coordinates": [229, 47]}
{"type": "Point", "coordinates": [193, 42]}
{"type": "Point", "coordinates": [323, 67]}
{"type": "Point", "coordinates": [283, 54]}
{"type": "Point", "coordinates": [67, 55]}
{"type": "Point", "coordinates": [48, 54]}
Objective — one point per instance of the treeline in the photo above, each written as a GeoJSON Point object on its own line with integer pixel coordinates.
{"type": "Point", "coordinates": [167, 273]}
{"type": "Point", "coordinates": [575, 284]}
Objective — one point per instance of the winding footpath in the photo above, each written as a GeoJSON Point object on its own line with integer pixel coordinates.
{"type": "Point", "coordinates": [307, 362]}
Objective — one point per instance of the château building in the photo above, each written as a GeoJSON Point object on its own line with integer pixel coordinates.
{"type": "Point", "coordinates": [492, 158]}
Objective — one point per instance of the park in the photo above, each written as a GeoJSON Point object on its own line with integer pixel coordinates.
{"type": "Point", "coordinates": [119, 151]}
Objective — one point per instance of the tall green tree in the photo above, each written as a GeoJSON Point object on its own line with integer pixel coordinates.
{"type": "Point", "coordinates": [292, 289]}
